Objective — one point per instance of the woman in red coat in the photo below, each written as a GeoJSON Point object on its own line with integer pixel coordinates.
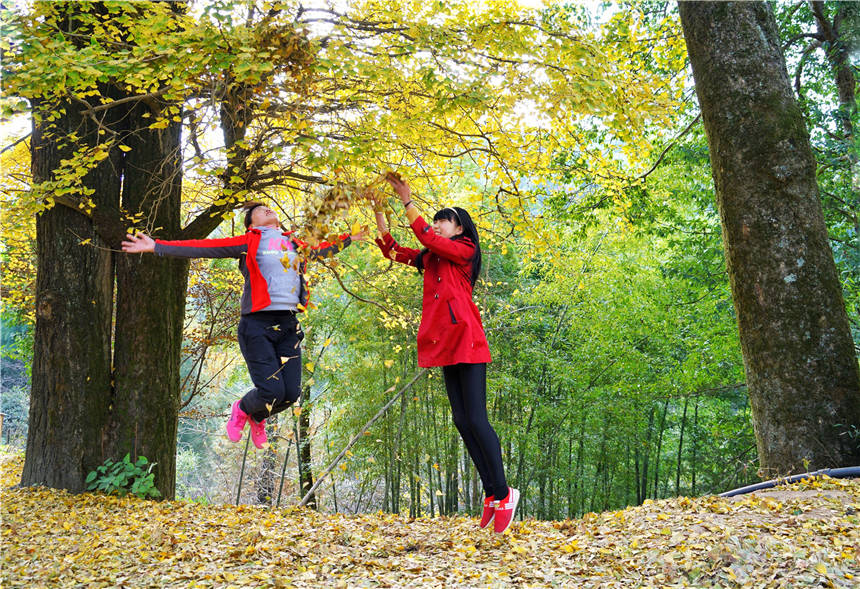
{"type": "Point", "coordinates": [451, 336]}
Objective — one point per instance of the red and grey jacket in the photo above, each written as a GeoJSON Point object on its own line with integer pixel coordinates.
{"type": "Point", "coordinates": [255, 295]}
{"type": "Point", "coordinates": [451, 331]}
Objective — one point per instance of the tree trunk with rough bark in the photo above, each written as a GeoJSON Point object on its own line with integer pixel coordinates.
{"type": "Point", "coordinates": [150, 306]}
{"type": "Point", "coordinates": [801, 369]}
{"type": "Point", "coordinates": [91, 401]}
{"type": "Point", "coordinates": [71, 371]}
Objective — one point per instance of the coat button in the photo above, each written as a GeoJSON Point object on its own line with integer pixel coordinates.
{"type": "Point", "coordinates": [435, 296]}
{"type": "Point", "coordinates": [438, 279]}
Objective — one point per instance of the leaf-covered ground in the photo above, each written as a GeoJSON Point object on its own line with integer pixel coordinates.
{"type": "Point", "coordinates": [807, 534]}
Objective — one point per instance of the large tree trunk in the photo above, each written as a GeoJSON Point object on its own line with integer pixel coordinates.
{"type": "Point", "coordinates": [90, 403]}
{"type": "Point", "coordinates": [150, 306]}
{"type": "Point", "coordinates": [801, 369]}
{"type": "Point", "coordinates": [71, 376]}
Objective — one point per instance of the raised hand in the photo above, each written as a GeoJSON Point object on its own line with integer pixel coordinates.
{"type": "Point", "coordinates": [400, 186]}
{"type": "Point", "coordinates": [377, 203]}
{"type": "Point", "coordinates": [138, 244]}
{"type": "Point", "coordinates": [361, 235]}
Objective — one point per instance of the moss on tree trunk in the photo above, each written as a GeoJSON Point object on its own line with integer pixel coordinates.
{"type": "Point", "coordinates": [798, 353]}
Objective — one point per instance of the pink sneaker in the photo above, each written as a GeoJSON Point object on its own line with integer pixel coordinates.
{"type": "Point", "coordinates": [258, 433]}
{"type": "Point", "coordinates": [489, 511]}
{"type": "Point", "coordinates": [236, 423]}
{"type": "Point", "coordinates": [505, 509]}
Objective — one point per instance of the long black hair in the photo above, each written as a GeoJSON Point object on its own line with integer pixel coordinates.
{"type": "Point", "coordinates": [461, 218]}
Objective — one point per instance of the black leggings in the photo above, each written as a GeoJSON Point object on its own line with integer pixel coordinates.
{"type": "Point", "coordinates": [467, 392]}
{"type": "Point", "coordinates": [271, 344]}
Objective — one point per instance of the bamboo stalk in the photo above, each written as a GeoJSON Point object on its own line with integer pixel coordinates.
{"type": "Point", "coordinates": [357, 436]}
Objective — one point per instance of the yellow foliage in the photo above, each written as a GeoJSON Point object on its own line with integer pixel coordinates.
{"type": "Point", "coordinates": [17, 233]}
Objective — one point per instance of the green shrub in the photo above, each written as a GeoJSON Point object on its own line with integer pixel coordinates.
{"type": "Point", "coordinates": [123, 477]}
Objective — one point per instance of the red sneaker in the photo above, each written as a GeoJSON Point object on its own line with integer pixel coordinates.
{"type": "Point", "coordinates": [236, 423]}
{"type": "Point", "coordinates": [258, 433]}
{"type": "Point", "coordinates": [505, 509]}
{"type": "Point", "coordinates": [489, 511]}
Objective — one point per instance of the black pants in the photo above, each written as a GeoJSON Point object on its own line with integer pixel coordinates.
{"type": "Point", "coordinates": [271, 345]}
{"type": "Point", "coordinates": [467, 392]}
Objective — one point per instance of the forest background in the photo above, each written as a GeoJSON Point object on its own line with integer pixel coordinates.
{"type": "Point", "coordinates": [573, 135]}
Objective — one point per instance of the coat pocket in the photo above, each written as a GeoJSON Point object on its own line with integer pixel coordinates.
{"type": "Point", "coordinates": [451, 313]}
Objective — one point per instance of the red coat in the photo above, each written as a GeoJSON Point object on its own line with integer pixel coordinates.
{"type": "Point", "coordinates": [451, 331]}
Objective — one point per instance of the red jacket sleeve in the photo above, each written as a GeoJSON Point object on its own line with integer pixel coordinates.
{"type": "Point", "coordinates": [404, 255]}
{"type": "Point", "coordinates": [459, 251]}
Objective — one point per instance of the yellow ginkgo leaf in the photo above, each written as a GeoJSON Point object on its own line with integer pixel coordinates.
{"type": "Point", "coordinates": [310, 366]}
{"type": "Point", "coordinates": [125, 148]}
{"type": "Point", "coordinates": [297, 411]}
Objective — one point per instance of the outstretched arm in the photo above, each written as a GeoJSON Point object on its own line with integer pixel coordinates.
{"type": "Point", "coordinates": [401, 188]}
{"type": "Point", "coordinates": [386, 243]}
{"type": "Point", "coordinates": [381, 224]}
{"type": "Point", "coordinates": [229, 247]}
{"type": "Point", "coordinates": [459, 251]}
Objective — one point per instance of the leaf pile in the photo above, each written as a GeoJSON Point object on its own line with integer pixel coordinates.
{"type": "Point", "coordinates": [802, 535]}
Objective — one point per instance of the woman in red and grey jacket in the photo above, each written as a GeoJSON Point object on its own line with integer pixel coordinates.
{"type": "Point", "coordinates": [451, 336]}
{"type": "Point", "coordinates": [274, 291]}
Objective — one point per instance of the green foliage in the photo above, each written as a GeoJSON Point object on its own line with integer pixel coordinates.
{"type": "Point", "coordinates": [124, 477]}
